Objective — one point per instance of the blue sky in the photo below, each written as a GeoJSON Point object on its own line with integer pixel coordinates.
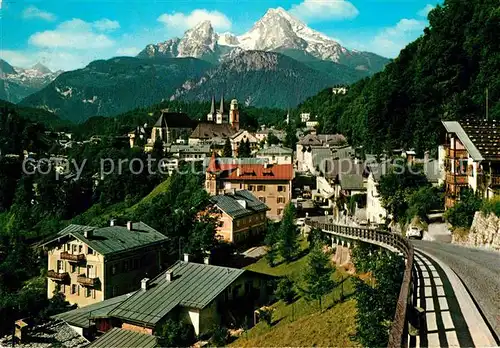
{"type": "Point", "coordinates": [68, 34]}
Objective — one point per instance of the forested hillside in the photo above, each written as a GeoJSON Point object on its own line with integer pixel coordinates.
{"type": "Point", "coordinates": [442, 75]}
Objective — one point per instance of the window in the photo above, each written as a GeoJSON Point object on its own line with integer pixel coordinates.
{"type": "Point", "coordinates": [80, 249]}
{"type": "Point", "coordinates": [60, 266]}
{"type": "Point", "coordinates": [250, 188]}
{"type": "Point", "coordinates": [90, 251]}
{"type": "Point", "coordinates": [280, 211]}
{"type": "Point", "coordinates": [68, 247]}
{"type": "Point", "coordinates": [113, 269]}
{"type": "Point", "coordinates": [262, 199]}
{"type": "Point", "coordinates": [74, 268]}
{"type": "Point", "coordinates": [261, 188]}
{"type": "Point", "coordinates": [73, 289]}
{"type": "Point", "coordinates": [75, 248]}
{"type": "Point", "coordinates": [88, 292]}
{"type": "Point", "coordinates": [281, 200]}
{"type": "Point", "coordinates": [237, 223]}
{"type": "Point", "coordinates": [281, 188]}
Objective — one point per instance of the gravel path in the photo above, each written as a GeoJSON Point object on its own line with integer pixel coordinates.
{"type": "Point", "coordinates": [478, 269]}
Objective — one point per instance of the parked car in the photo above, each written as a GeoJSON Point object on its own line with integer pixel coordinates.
{"type": "Point", "coordinates": [415, 229]}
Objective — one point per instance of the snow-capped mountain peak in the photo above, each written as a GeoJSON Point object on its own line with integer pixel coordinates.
{"type": "Point", "coordinates": [277, 30]}
{"type": "Point", "coordinates": [42, 69]}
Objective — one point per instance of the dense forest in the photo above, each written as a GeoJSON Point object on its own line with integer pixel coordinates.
{"type": "Point", "coordinates": [444, 74]}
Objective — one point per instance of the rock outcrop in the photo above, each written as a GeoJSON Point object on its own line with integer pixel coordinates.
{"type": "Point", "coordinates": [484, 232]}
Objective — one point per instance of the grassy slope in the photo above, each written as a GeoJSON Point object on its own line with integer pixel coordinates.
{"type": "Point", "coordinates": [302, 323]}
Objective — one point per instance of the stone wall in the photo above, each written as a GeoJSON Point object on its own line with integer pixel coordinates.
{"type": "Point", "coordinates": [484, 232]}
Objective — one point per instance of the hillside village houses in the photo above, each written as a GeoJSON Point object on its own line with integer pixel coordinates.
{"type": "Point", "coordinates": [263, 133]}
{"type": "Point", "coordinates": [89, 264]}
{"type": "Point", "coordinates": [199, 294]}
{"type": "Point", "coordinates": [471, 158]}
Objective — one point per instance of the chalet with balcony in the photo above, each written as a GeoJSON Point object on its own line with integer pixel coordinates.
{"type": "Point", "coordinates": [89, 264]}
{"type": "Point", "coordinates": [471, 158]}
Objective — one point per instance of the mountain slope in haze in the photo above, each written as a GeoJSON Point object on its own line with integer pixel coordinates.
{"type": "Point", "coordinates": [35, 115]}
{"type": "Point", "coordinates": [18, 83]}
{"type": "Point", "coordinates": [278, 31]}
{"type": "Point", "coordinates": [260, 78]}
{"type": "Point", "coordinates": [108, 87]}
{"type": "Point", "coordinates": [442, 75]}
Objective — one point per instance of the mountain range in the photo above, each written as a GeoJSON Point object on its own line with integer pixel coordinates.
{"type": "Point", "coordinates": [17, 83]}
{"type": "Point", "coordinates": [278, 63]}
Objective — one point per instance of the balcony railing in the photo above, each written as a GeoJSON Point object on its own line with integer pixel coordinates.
{"type": "Point", "coordinates": [457, 179]}
{"type": "Point", "coordinates": [72, 257]}
{"type": "Point", "coordinates": [57, 276]}
{"type": "Point", "coordinates": [490, 179]}
{"type": "Point", "coordinates": [456, 153]}
{"type": "Point", "coordinates": [86, 281]}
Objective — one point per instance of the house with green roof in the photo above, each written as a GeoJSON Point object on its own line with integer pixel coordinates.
{"type": "Point", "coordinates": [91, 264]}
{"type": "Point", "coordinates": [198, 294]}
{"type": "Point", "coordinates": [242, 216]}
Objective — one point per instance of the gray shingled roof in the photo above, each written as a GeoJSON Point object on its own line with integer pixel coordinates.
{"type": "Point", "coordinates": [229, 204]}
{"type": "Point", "coordinates": [193, 285]}
{"type": "Point", "coordinates": [351, 181]}
{"type": "Point", "coordinates": [113, 239]}
{"type": "Point", "coordinates": [276, 150]}
{"type": "Point", "coordinates": [81, 317]}
{"type": "Point", "coordinates": [125, 339]}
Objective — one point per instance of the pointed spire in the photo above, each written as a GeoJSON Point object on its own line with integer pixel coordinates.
{"type": "Point", "coordinates": [221, 109]}
{"type": "Point", "coordinates": [212, 108]}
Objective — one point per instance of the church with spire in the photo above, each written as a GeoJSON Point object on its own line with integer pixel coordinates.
{"type": "Point", "coordinates": [219, 124]}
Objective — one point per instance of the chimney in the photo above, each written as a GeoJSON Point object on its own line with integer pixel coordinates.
{"type": "Point", "coordinates": [169, 275]}
{"type": "Point", "coordinates": [129, 225]}
{"type": "Point", "coordinates": [144, 284]}
{"type": "Point", "coordinates": [88, 233]}
{"type": "Point", "coordinates": [112, 222]}
{"type": "Point", "coordinates": [186, 257]}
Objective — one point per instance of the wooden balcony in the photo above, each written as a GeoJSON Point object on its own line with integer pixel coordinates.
{"type": "Point", "coordinates": [72, 257]}
{"type": "Point", "coordinates": [86, 281]}
{"type": "Point", "coordinates": [57, 276]}
{"type": "Point", "coordinates": [490, 180]}
{"type": "Point", "coordinates": [457, 179]}
{"type": "Point", "coordinates": [455, 153]}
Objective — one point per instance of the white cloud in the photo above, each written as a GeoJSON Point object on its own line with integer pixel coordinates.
{"type": "Point", "coordinates": [17, 58]}
{"type": "Point", "coordinates": [315, 11]}
{"type": "Point", "coordinates": [128, 51]}
{"type": "Point", "coordinates": [106, 25]}
{"type": "Point", "coordinates": [388, 42]}
{"type": "Point", "coordinates": [180, 21]}
{"type": "Point", "coordinates": [75, 33]}
{"type": "Point", "coordinates": [34, 12]}
{"type": "Point", "coordinates": [425, 11]}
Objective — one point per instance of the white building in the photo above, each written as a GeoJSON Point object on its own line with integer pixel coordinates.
{"type": "Point", "coordinates": [304, 117]}
{"type": "Point", "coordinates": [276, 155]}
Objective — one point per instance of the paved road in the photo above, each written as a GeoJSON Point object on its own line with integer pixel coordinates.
{"type": "Point", "coordinates": [478, 269]}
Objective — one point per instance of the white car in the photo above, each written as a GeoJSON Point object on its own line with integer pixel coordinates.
{"type": "Point", "coordinates": [300, 221]}
{"type": "Point", "coordinates": [414, 232]}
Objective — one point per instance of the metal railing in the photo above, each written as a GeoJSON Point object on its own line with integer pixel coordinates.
{"type": "Point", "coordinates": [398, 335]}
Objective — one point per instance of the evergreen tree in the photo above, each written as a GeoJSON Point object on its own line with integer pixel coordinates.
{"type": "Point", "coordinates": [227, 151]}
{"type": "Point", "coordinates": [288, 244]}
{"type": "Point", "coordinates": [244, 150]}
{"type": "Point", "coordinates": [271, 243]}
{"type": "Point", "coordinates": [318, 276]}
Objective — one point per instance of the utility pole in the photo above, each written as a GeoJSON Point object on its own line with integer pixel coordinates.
{"type": "Point", "coordinates": [487, 104]}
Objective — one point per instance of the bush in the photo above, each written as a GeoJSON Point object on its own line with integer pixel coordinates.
{"type": "Point", "coordinates": [462, 213]}
{"type": "Point", "coordinates": [176, 334]}
{"type": "Point", "coordinates": [491, 206]}
{"type": "Point", "coordinates": [286, 290]}
{"type": "Point", "coordinates": [220, 336]}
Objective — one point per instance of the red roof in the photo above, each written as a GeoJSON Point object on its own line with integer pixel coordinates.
{"type": "Point", "coordinates": [259, 172]}
{"type": "Point", "coordinates": [213, 166]}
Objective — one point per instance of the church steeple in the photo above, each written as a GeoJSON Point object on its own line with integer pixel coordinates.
{"type": "Point", "coordinates": [211, 114]}
{"type": "Point", "coordinates": [221, 109]}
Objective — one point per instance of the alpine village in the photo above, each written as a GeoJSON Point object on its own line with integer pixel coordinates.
{"type": "Point", "coordinates": [268, 189]}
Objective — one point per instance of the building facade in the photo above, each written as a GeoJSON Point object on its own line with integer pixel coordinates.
{"type": "Point", "coordinates": [242, 216]}
{"type": "Point", "coordinates": [90, 265]}
{"type": "Point", "coordinates": [276, 155]}
{"type": "Point", "coordinates": [271, 184]}
{"type": "Point", "coordinates": [472, 159]}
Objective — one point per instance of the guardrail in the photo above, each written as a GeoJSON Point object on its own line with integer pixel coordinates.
{"type": "Point", "coordinates": [398, 335]}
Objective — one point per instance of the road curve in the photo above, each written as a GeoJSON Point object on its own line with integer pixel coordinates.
{"type": "Point", "coordinates": [478, 269]}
